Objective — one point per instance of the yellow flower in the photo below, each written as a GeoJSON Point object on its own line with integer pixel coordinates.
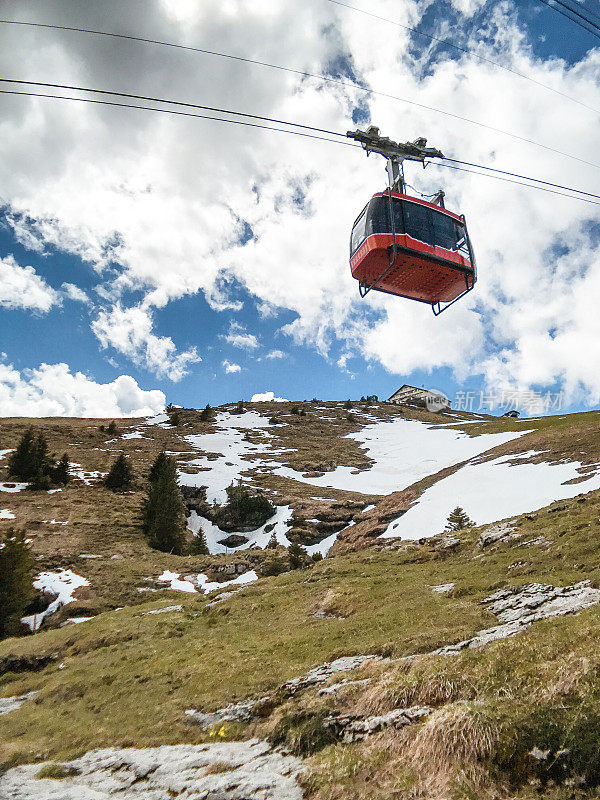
{"type": "Point", "coordinates": [222, 731]}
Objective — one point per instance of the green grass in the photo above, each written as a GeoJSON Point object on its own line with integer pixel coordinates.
{"type": "Point", "coordinates": [121, 664]}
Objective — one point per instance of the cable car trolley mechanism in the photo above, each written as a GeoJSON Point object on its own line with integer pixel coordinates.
{"type": "Point", "coordinates": [407, 246]}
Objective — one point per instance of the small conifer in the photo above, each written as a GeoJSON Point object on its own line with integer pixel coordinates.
{"type": "Point", "coordinates": [62, 472]}
{"type": "Point", "coordinates": [198, 546]}
{"type": "Point", "coordinates": [459, 519]}
{"type": "Point", "coordinates": [206, 413]}
{"type": "Point", "coordinates": [272, 543]}
{"type": "Point", "coordinates": [16, 580]}
{"type": "Point", "coordinates": [120, 475]}
{"type": "Point", "coordinates": [296, 555]}
{"type": "Point", "coordinates": [161, 463]}
{"type": "Point", "coordinates": [112, 428]}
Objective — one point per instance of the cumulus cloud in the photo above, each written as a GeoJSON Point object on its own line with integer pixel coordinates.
{"type": "Point", "coordinates": [116, 188]}
{"type": "Point", "coordinates": [129, 331]}
{"type": "Point", "coordinates": [238, 336]}
{"type": "Point", "coordinates": [274, 354]}
{"type": "Point", "coordinates": [74, 293]}
{"type": "Point", "coordinates": [230, 368]}
{"type": "Point", "coordinates": [266, 397]}
{"type": "Point", "coordinates": [22, 287]}
{"type": "Point", "coordinates": [53, 390]}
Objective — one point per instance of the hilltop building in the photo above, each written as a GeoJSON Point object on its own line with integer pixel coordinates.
{"type": "Point", "coordinates": [424, 398]}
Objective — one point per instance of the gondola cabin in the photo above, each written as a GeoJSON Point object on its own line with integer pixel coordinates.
{"type": "Point", "coordinates": [432, 260]}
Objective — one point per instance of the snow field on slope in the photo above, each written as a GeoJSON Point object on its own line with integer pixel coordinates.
{"type": "Point", "coordinates": [404, 451]}
{"type": "Point", "coordinates": [219, 473]}
{"type": "Point", "coordinates": [491, 491]}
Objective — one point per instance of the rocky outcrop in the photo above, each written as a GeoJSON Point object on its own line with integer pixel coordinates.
{"type": "Point", "coordinates": [517, 609]}
{"type": "Point", "coordinates": [349, 728]}
{"type": "Point", "coordinates": [235, 712]}
{"type": "Point", "coordinates": [499, 532]}
{"type": "Point", "coordinates": [323, 672]}
{"type": "Point", "coordinates": [8, 704]}
{"type": "Point", "coordinates": [219, 771]}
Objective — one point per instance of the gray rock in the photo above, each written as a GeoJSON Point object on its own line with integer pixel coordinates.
{"type": "Point", "coordinates": [323, 672]}
{"type": "Point", "coordinates": [355, 728]}
{"type": "Point", "coordinates": [8, 704]}
{"type": "Point", "coordinates": [341, 686]}
{"type": "Point", "coordinates": [245, 770]}
{"type": "Point", "coordinates": [235, 712]}
{"type": "Point", "coordinates": [443, 588]}
{"type": "Point", "coordinates": [498, 532]}
{"type": "Point", "coordinates": [448, 542]}
{"type": "Point", "coordinates": [164, 610]}
{"type": "Point", "coordinates": [517, 609]}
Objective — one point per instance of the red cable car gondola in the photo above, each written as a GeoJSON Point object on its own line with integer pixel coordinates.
{"type": "Point", "coordinates": [407, 246]}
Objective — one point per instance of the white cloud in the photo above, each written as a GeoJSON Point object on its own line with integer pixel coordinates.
{"type": "Point", "coordinates": [266, 397]}
{"type": "Point", "coordinates": [75, 293]}
{"type": "Point", "coordinates": [238, 336]}
{"type": "Point", "coordinates": [116, 187]}
{"type": "Point", "coordinates": [129, 331]}
{"type": "Point", "coordinates": [22, 287]}
{"type": "Point", "coordinates": [230, 368]}
{"type": "Point", "coordinates": [276, 354]}
{"type": "Point", "coordinates": [53, 390]}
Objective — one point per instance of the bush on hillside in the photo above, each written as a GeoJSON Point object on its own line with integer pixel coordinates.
{"type": "Point", "coordinates": [206, 413]}
{"type": "Point", "coordinates": [112, 428]}
{"type": "Point", "coordinates": [459, 519]}
{"type": "Point", "coordinates": [297, 555]}
{"type": "Point", "coordinates": [16, 581]}
{"type": "Point", "coordinates": [120, 475]}
{"type": "Point", "coordinates": [348, 404]}
{"type": "Point", "coordinates": [244, 510]}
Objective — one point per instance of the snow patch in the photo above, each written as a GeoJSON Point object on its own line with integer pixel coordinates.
{"type": "Point", "coordinates": [6, 514]}
{"type": "Point", "coordinates": [63, 584]}
{"type": "Point", "coordinates": [9, 486]}
{"type": "Point", "coordinates": [278, 525]}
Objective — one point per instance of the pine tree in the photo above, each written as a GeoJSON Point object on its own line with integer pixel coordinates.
{"type": "Point", "coordinates": [459, 519]}
{"type": "Point", "coordinates": [163, 514]}
{"type": "Point", "coordinates": [206, 413]}
{"type": "Point", "coordinates": [31, 460]}
{"type": "Point", "coordinates": [120, 475]}
{"type": "Point", "coordinates": [16, 581]}
{"type": "Point", "coordinates": [20, 460]}
{"type": "Point", "coordinates": [296, 554]}
{"type": "Point", "coordinates": [62, 472]}
{"type": "Point", "coordinates": [161, 463]}
{"type": "Point", "coordinates": [198, 546]}
{"type": "Point", "coordinates": [272, 543]}
{"type": "Point", "coordinates": [112, 428]}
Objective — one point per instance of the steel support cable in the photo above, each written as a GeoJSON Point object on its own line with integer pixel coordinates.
{"type": "Point", "coordinates": [557, 8]}
{"type": "Point", "coordinates": [316, 76]}
{"type": "Point", "coordinates": [466, 50]}
{"type": "Point", "coordinates": [306, 135]}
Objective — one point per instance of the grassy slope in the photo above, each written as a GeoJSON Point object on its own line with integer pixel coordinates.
{"type": "Point", "coordinates": [128, 678]}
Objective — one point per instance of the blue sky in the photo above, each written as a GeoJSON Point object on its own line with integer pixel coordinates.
{"type": "Point", "coordinates": [210, 262]}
